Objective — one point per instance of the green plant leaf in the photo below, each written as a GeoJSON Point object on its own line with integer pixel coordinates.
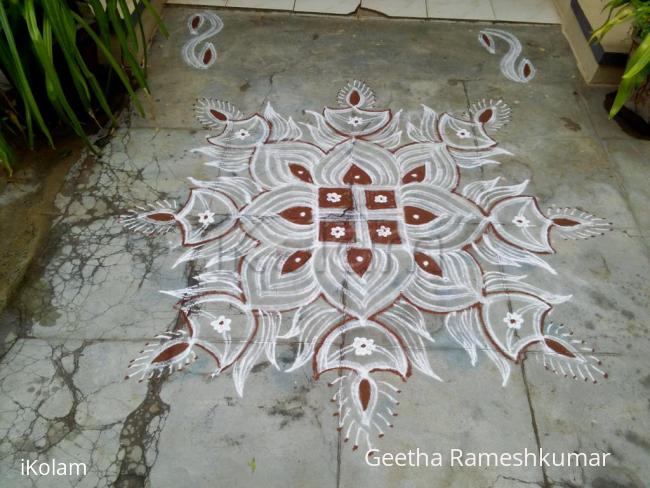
{"type": "Point", "coordinates": [66, 34]}
{"type": "Point", "coordinates": [122, 38]}
{"type": "Point", "coordinates": [42, 44]}
{"type": "Point", "coordinates": [112, 61]}
{"type": "Point", "coordinates": [622, 15]}
{"type": "Point", "coordinates": [639, 59]}
{"type": "Point", "coordinates": [40, 47]}
{"type": "Point", "coordinates": [625, 89]}
{"type": "Point", "coordinates": [6, 154]}
{"type": "Point", "coordinates": [16, 73]}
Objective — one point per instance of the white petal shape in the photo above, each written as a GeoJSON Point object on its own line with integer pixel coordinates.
{"type": "Point", "coordinates": [361, 296]}
{"type": "Point", "coordinates": [263, 219]}
{"type": "Point", "coordinates": [456, 221]}
{"type": "Point", "coordinates": [466, 329]}
{"type": "Point", "coordinates": [324, 136]}
{"type": "Point", "coordinates": [310, 324]}
{"type": "Point", "coordinates": [470, 159]}
{"type": "Point", "coordinates": [426, 132]}
{"type": "Point", "coordinates": [202, 311]}
{"type": "Point", "coordinates": [378, 163]}
{"type": "Point", "coordinates": [336, 350]}
{"type": "Point", "coordinates": [533, 235]}
{"type": "Point", "coordinates": [439, 167]}
{"type": "Point", "coordinates": [240, 190]}
{"type": "Point", "coordinates": [463, 134]}
{"type": "Point", "coordinates": [353, 121]}
{"type": "Point", "coordinates": [281, 129]}
{"type": "Point", "coordinates": [459, 286]}
{"type": "Point", "coordinates": [269, 287]}
{"type": "Point", "coordinates": [222, 282]}
{"type": "Point", "coordinates": [496, 281]}
{"type": "Point", "coordinates": [221, 208]}
{"type": "Point", "coordinates": [244, 365]}
{"type": "Point", "coordinates": [496, 251]}
{"type": "Point", "coordinates": [390, 136]}
{"type": "Point", "coordinates": [246, 133]}
{"type": "Point", "coordinates": [233, 245]}
{"type": "Point", "coordinates": [275, 165]}
{"type": "Point", "coordinates": [486, 193]}
{"type": "Point", "coordinates": [226, 158]}
{"type": "Point", "coordinates": [408, 324]}
{"type": "Point", "coordinates": [530, 309]}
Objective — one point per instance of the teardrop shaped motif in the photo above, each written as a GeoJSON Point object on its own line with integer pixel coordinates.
{"type": "Point", "coordinates": [218, 115]}
{"type": "Point", "coordinates": [171, 352]}
{"type": "Point", "coordinates": [298, 215]}
{"type": "Point", "coordinates": [428, 264]}
{"type": "Point", "coordinates": [354, 98]}
{"type": "Point", "coordinates": [301, 172]}
{"type": "Point", "coordinates": [296, 261]}
{"type": "Point", "coordinates": [486, 40]}
{"type": "Point", "coordinates": [196, 21]}
{"type": "Point", "coordinates": [364, 393]}
{"type": "Point", "coordinates": [415, 175]}
{"type": "Point", "coordinates": [527, 70]}
{"type": "Point", "coordinates": [559, 348]}
{"type": "Point", "coordinates": [356, 176]}
{"type": "Point", "coordinates": [485, 116]}
{"type": "Point", "coordinates": [207, 56]}
{"type": "Point", "coordinates": [565, 222]}
{"type": "Point", "coordinates": [359, 260]}
{"type": "Point", "coordinates": [161, 216]}
{"type": "Point", "coordinates": [417, 216]}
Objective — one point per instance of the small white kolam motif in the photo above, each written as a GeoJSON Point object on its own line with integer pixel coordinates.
{"type": "Point", "coordinates": [513, 65]}
{"type": "Point", "coordinates": [198, 52]}
{"type": "Point", "coordinates": [353, 203]}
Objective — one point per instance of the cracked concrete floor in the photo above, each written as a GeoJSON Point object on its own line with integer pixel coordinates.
{"type": "Point", "coordinates": [92, 299]}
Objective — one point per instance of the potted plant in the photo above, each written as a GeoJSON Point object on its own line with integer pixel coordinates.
{"type": "Point", "coordinates": [634, 89]}
{"type": "Point", "coordinates": [63, 61]}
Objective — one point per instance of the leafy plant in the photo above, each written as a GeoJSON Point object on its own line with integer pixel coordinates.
{"type": "Point", "coordinates": [637, 69]}
{"type": "Point", "coordinates": [45, 56]}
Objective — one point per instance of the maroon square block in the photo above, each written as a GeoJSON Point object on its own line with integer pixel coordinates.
{"type": "Point", "coordinates": [337, 231]}
{"type": "Point", "coordinates": [384, 232]}
{"type": "Point", "coordinates": [335, 198]}
{"type": "Point", "coordinates": [380, 199]}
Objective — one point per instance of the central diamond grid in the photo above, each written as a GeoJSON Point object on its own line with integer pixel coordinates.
{"type": "Point", "coordinates": [364, 215]}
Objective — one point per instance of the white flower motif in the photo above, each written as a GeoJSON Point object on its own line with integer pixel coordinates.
{"type": "Point", "coordinates": [354, 121]}
{"type": "Point", "coordinates": [521, 221]}
{"type": "Point", "coordinates": [363, 346]}
{"type": "Point", "coordinates": [242, 134]}
{"type": "Point", "coordinates": [463, 133]}
{"type": "Point", "coordinates": [337, 232]}
{"type": "Point", "coordinates": [206, 217]}
{"type": "Point", "coordinates": [513, 320]}
{"type": "Point", "coordinates": [381, 199]}
{"type": "Point", "coordinates": [221, 324]}
{"type": "Point", "coordinates": [384, 231]}
{"type": "Point", "coordinates": [333, 197]}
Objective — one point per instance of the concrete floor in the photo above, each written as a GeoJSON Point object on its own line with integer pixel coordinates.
{"type": "Point", "coordinates": [92, 300]}
{"type": "Point", "coordinates": [529, 11]}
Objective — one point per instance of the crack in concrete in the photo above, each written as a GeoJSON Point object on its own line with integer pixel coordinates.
{"type": "Point", "coordinates": [139, 436]}
{"type": "Point", "coordinates": [546, 483]}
